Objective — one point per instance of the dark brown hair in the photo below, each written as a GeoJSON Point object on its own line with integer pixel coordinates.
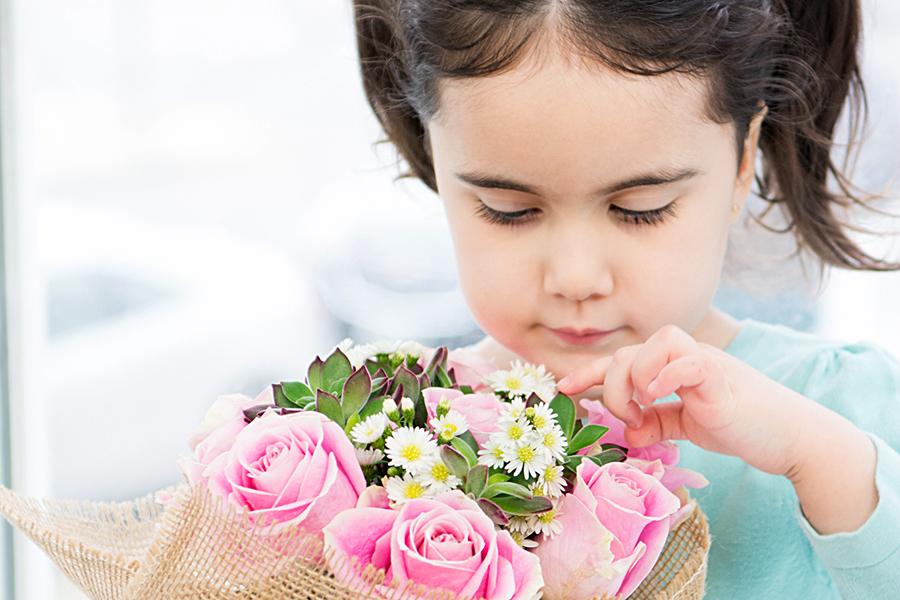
{"type": "Point", "coordinates": [797, 57]}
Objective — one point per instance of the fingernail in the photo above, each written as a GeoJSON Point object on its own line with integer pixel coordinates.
{"type": "Point", "coordinates": [653, 387]}
{"type": "Point", "coordinates": [563, 382]}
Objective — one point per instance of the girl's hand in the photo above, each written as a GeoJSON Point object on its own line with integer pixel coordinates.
{"type": "Point", "coordinates": [727, 407]}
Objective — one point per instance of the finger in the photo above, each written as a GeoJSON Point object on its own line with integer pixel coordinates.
{"type": "Point", "coordinates": [585, 377]}
{"type": "Point", "coordinates": [661, 422]}
{"type": "Point", "coordinates": [699, 371]}
{"type": "Point", "coordinates": [664, 346]}
{"type": "Point", "coordinates": [618, 389]}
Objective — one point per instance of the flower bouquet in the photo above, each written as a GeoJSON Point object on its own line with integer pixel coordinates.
{"type": "Point", "coordinates": [395, 471]}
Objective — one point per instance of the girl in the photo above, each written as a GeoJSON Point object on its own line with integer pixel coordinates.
{"type": "Point", "coordinates": [591, 155]}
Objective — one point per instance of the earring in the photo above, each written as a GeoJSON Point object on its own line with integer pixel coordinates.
{"type": "Point", "coordinates": [735, 207]}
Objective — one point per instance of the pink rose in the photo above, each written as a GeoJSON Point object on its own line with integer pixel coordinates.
{"type": "Point", "coordinates": [224, 420]}
{"type": "Point", "coordinates": [614, 526]}
{"type": "Point", "coordinates": [468, 367]}
{"type": "Point", "coordinates": [666, 452]}
{"type": "Point", "coordinates": [298, 468]}
{"type": "Point", "coordinates": [445, 542]}
{"type": "Point", "coordinates": [482, 411]}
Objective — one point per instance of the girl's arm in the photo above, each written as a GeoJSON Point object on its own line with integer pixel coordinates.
{"type": "Point", "coordinates": [730, 408]}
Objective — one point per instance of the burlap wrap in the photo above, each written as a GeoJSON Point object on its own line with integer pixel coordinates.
{"type": "Point", "coordinates": [202, 549]}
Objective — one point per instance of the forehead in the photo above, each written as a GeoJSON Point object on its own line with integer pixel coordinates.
{"type": "Point", "coordinates": [557, 112]}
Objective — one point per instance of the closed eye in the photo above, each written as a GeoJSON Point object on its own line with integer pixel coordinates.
{"type": "Point", "coordinates": [654, 216]}
{"type": "Point", "coordinates": [508, 219]}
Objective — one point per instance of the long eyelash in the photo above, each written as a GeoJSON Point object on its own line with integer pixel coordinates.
{"type": "Point", "coordinates": [508, 219]}
{"type": "Point", "coordinates": [655, 216]}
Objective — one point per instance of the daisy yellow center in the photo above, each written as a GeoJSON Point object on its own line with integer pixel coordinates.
{"type": "Point", "coordinates": [549, 439]}
{"type": "Point", "coordinates": [514, 432]}
{"type": "Point", "coordinates": [450, 430]}
{"type": "Point", "coordinates": [525, 453]}
{"type": "Point", "coordinates": [413, 490]}
{"type": "Point", "coordinates": [546, 517]}
{"type": "Point", "coordinates": [440, 472]}
{"type": "Point", "coordinates": [498, 452]}
{"type": "Point", "coordinates": [539, 421]}
{"type": "Point", "coordinates": [550, 473]}
{"type": "Point", "coordinates": [514, 383]}
{"type": "Point", "coordinates": [411, 452]}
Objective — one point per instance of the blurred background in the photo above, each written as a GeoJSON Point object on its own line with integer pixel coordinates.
{"type": "Point", "coordinates": [195, 205]}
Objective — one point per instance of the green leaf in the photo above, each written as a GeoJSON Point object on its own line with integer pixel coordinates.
{"type": "Point", "coordinates": [408, 380]}
{"type": "Point", "coordinates": [329, 406]}
{"type": "Point", "coordinates": [608, 456]}
{"type": "Point", "coordinates": [281, 398]}
{"type": "Point", "coordinates": [564, 409]}
{"type": "Point", "coordinates": [421, 415]}
{"type": "Point", "coordinates": [521, 506]}
{"type": "Point", "coordinates": [314, 375]}
{"type": "Point", "coordinates": [493, 511]}
{"type": "Point", "coordinates": [441, 379]}
{"type": "Point", "coordinates": [434, 364]}
{"type": "Point", "coordinates": [465, 389]}
{"type": "Point", "coordinates": [584, 438]}
{"type": "Point", "coordinates": [336, 367]}
{"type": "Point", "coordinates": [374, 405]}
{"type": "Point", "coordinates": [498, 478]}
{"type": "Point", "coordinates": [466, 450]}
{"type": "Point", "coordinates": [355, 392]}
{"type": "Point", "coordinates": [294, 390]}
{"type": "Point", "coordinates": [511, 489]}
{"type": "Point", "coordinates": [572, 462]}
{"type": "Point", "coordinates": [468, 438]}
{"type": "Point", "coordinates": [476, 480]}
{"type": "Point", "coordinates": [455, 462]}
{"type": "Point", "coordinates": [352, 422]}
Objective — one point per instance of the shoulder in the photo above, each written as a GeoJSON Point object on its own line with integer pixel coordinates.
{"type": "Point", "coordinates": [858, 379]}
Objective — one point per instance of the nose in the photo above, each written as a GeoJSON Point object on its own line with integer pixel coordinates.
{"type": "Point", "coordinates": [578, 268]}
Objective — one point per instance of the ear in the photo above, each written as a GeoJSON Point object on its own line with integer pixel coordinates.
{"type": "Point", "coordinates": [747, 169]}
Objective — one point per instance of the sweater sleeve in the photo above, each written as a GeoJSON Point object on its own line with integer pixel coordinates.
{"type": "Point", "coordinates": [865, 564]}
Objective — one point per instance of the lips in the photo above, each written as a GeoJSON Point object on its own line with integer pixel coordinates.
{"type": "Point", "coordinates": [580, 337]}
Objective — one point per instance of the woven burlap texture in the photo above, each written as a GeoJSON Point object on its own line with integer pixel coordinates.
{"type": "Point", "coordinates": [197, 548]}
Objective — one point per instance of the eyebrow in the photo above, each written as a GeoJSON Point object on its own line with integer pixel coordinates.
{"type": "Point", "coordinates": [648, 179]}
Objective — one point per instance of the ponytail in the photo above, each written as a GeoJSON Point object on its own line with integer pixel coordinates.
{"type": "Point", "coordinates": [820, 60]}
{"type": "Point", "coordinates": [385, 80]}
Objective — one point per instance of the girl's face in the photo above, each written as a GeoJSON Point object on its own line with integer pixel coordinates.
{"type": "Point", "coordinates": [588, 208]}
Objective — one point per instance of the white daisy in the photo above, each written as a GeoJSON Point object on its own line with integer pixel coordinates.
{"type": "Point", "coordinates": [450, 425]}
{"type": "Point", "coordinates": [525, 458]}
{"type": "Point", "coordinates": [491, 454]}
{"type": "Point", "coordinates": [520, 525]}
{"type": "Point", "coordinates": [553, 441]}
{"type": "Point", "coordinates": [513, 432]}
{"type": "Point", "coordinates": [521, 540]}
{"type": "Point", "coordinates": [545, 384]}
{"type": "Point", "coordinates": [411, 348]}
{"type": "Point", "coordinates": [368, 456]}
{"type": "Point", "coordinates": [515, 410]}
{"type": "Point", "coordinates": [358, 354]}
{"type": "Point", "coordinates": [546, 523]}
{"type": "Point", "coordinates": [400, 490]}
{"type": "Point", "coordinates": [410, 448]}
{"type": "Point", "coordinates": [389, 408]}
{"type": "Point", "coordinates": [369, 430]}
{"type": "Point", "coordinates": [552, 481]}
{"type": "Point", "coordinates": [438, 478]}
{"type": "Point", "coordinates": [383, 347]}
{"type": "Point", "coordinates": [542, 418]}
{"type": "Point", "coordinates": [514, 383]}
